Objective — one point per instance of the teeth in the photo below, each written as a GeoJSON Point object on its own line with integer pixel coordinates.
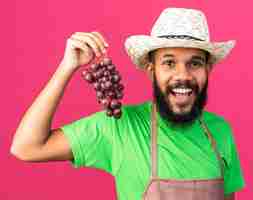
{"type": "Point", "coordinates": [182, 90]}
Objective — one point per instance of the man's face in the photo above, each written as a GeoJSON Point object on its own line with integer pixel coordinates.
{"type": "Point", "coordinates": [180, 82]}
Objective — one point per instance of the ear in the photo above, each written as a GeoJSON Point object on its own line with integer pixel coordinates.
{"type": "Point", "coordinates": [150, 70]}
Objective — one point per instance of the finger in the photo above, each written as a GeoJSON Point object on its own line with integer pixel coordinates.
{"type": "Point", "coordinates": [90, 42]}
{"type": "Point", "coordinates": [96, 39]}
{"type": "Point", "coordinates": [101, 37]}
{"type": "Point", "coordinates": [100, 41]}
{"type": "Point", "coordinates": [76, 44]}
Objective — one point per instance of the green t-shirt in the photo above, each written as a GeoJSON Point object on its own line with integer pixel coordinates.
{"type": "Point", "coordinates": [122, 148]}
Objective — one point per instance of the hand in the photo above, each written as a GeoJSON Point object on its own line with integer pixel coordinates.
{"type": "Point", "coordinates": [82, 48]}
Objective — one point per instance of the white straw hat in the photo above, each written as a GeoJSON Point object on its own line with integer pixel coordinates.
{"type": "Point", "coordinates": [177, 27]}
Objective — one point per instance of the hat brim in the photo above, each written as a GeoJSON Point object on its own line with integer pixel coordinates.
{"type": "Point", "coordinates": [138, 47]}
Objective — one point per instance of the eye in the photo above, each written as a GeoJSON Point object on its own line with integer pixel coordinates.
{"type": "Point", "coordinates": [169, 63]}
{"type": "Point", "coordinates": [196, 64]}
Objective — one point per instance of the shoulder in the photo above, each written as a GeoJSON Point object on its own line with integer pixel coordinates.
{"type": "Point", "coordinates": [220, 128]}
{"type": "Point", "coordinates": [130, 113]}
{"type": "Point", "coordinates": [143, 107]}
{"type": "Point", "coordinates": [216, 121]}
{"type": "Point", "coordinates": [136, 113]}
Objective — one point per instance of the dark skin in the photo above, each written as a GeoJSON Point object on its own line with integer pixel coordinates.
{"type": "Point", "coordinates": [171, 65]}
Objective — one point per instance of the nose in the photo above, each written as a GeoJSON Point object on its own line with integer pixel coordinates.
{"type": "Point", "coordinates": [182, 72]}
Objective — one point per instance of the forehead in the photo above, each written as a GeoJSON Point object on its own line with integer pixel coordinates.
{"type": "Point", "coordinates": [180, 52]}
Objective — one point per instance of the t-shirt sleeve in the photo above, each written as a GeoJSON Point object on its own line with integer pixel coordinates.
{"type": "Point", "coordinates": [90, 139]}
{"type": "Point", "coordinates": [233, 177]}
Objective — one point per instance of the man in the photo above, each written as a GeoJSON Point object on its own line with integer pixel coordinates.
{"type": "Point", "coordinates": [178, 58]}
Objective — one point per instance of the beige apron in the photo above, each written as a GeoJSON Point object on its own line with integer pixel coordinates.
{"type": "Point", "coordinates": [170, 189]}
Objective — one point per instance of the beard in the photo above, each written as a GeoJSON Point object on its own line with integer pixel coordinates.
{"type": "Point", "coordinates": [165, 108]}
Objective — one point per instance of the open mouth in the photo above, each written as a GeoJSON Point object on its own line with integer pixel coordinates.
{"type": "Point", "coordinates": [182, 91]}
{"type": "Point", "coordinates": [182, 96]}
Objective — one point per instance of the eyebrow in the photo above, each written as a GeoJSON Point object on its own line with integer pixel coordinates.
{"type": "Point", "coordinates": [193, 57]}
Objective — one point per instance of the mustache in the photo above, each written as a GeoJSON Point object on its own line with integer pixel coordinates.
{"type": "Point", "coordinates": [183, 84]}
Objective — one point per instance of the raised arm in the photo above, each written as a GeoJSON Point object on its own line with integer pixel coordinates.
{"type": "Point", "coordinates": [34, 140]}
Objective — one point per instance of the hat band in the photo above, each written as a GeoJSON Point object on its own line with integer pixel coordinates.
{"type": "Point", "coordinates": [179, 37]}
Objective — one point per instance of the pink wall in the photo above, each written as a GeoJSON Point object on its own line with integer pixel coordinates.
{"type": "Point", "coordinates": [32, 49]}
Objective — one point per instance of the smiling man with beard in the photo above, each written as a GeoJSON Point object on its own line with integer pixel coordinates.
{"type": "Point", "coordinates": [185, 95]}
{"type": "Point", "coordinates": [167, 148]}
{"type": "Point", "coordinates": [178, 57]}
{"type": "Point", "coordinates": [180, 83]}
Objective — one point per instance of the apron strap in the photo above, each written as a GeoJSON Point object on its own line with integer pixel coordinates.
{"type": "Point", "coordinates": [154, 160]}
{"type": "Point", "coordinates": [213, 143]}
{"type": "Point", "coordinates": [154, 142]}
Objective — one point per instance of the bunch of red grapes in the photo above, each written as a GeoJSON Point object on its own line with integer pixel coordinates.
{"type": "Point", "coordinates": [106, 81]}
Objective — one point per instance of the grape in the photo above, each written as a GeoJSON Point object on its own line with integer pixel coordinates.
{"type": "Point", "coordinates": [106, 81]}
{"type": "Point", "coordinates": [115, 104]}
{"type": "Point", "coordinates": [111, 94]}
{"type": "Point", "coordinates": [116, 78]}
{"type": "Point", "coordinates": [103, 69]}
{"type": "Point", "coordinates": [106, 73]}
{"type": "Point", "coordinates": [100, 94]}
{"type": "Point", "coordinates": [120, 87]}
{"type": "Point", "coordinates": [88, 77]}
{"type": "Point", "coordinates": [99, 73]}
{"type": "Point", "coordinates": [84, 72]}
{"type": "Point", "coordinates": [100, 80]}
{"type": "Point", "coordinates": [117, 113]}
{"type": "Point", "coordinates": [94, 74]}
{"type": "Point", "coordinates": [115, 72]}
{"type": "Point", "coordinates": [97, 86]}
{"type": "Point", "coordinates": [108, 85]}
{"type": "Point", "coordinates": [111, 67]}
{"type": "Point", "coordinates": [106, 102]}
{"type": "Point", "coordinates": [119, 95]}
{"type": "Point", "coordinates": [94, 67]}
{"type": "Point", "coordinates": [109, 112]}
{"type": "Point", "coordinates": [103, 87]}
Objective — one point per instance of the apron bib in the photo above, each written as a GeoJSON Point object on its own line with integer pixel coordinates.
{"type": "Point", "coordinates": [171, 189]}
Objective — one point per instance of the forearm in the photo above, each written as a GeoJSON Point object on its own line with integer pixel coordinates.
{"type": "Point", "coordinates": [34, 127]}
